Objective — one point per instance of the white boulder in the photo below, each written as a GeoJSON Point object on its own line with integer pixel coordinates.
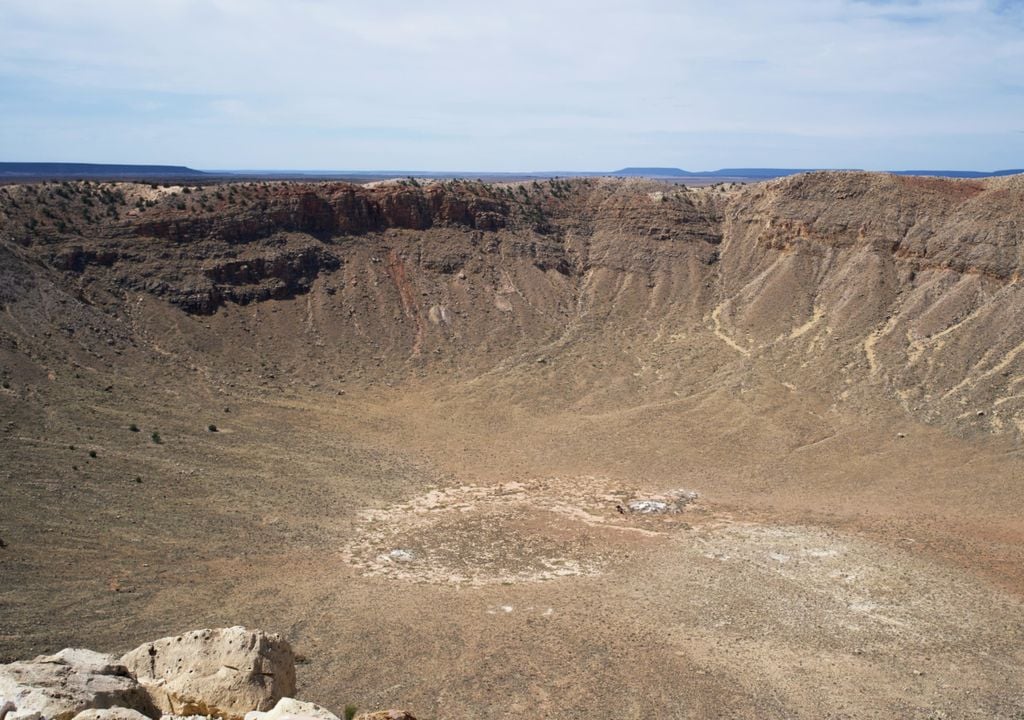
{"type": "Point", "coordinates": [291, 709]}
{"type": "Point", "coordinates": [59, 687]}
{"type": "Point", "coordinates": [115, 713]}
{"type": "Point", "coordinates": [225, 672]}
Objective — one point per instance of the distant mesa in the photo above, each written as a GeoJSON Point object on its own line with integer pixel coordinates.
{"type": "Point", "coordinates": [959, 173]}
{"type": "Point", "coordinates": [83, 171]}
{"type": "Point", "coordinates": [772, 173]}
{"type": "Point", "coordinates": [14, 172]}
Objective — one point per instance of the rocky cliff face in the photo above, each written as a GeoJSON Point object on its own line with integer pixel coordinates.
{"type": "Point", "coordinates": [911, 283]}
{"type": "Point", "coordinates": [839, 281]}
{"type": "Point", "coordinates": [330, 211]}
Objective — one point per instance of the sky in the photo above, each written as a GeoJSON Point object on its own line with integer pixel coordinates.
{"type": "Point", "coordinates": [515, 86]}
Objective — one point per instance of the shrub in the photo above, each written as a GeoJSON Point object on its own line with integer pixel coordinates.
{"type": "Point", "coordinates": [155, 436]}
{"type": "Point", "coordinates": [211, 427]}
{"type": "Point", "coordinates": [133, 427]}
{"type": "Point", "coordinates": [92, 453]}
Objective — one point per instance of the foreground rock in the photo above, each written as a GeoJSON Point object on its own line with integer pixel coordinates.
{"type": "Point", "coordinates": [225, 672]}
{"type": "Point", "coordinates": [292, 709]}
{"type": "Point", "coordinates": [115, 713]}
{"type": "Point", "coordinates": [61, 686]}
{"type": "Point", "coordinates": [229, 673]}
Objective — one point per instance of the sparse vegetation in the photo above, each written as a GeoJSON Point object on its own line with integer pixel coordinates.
{"type": "Point", "coordinates": [155, 437]}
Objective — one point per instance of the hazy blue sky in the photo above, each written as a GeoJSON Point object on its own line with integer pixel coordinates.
{"type": "Point", "coordinates": [523, 85]}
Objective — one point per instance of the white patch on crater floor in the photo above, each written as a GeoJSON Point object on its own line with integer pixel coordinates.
{"type": "Point", "coordinates": [510, 533]}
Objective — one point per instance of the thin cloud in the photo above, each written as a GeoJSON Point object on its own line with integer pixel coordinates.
{"type": "Point", "coordinates": [464, 84]}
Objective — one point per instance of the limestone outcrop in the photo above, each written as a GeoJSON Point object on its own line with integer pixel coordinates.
{"type": "Point", "coordinates": [230, 673]}
{"type": "Point", "coordinates": [61, 686]}
{"type": "Point", "coordinates": [224, 672]}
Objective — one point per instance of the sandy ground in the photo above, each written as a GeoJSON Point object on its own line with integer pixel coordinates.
{"type": "Point", "coordinates": [452, 563]}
